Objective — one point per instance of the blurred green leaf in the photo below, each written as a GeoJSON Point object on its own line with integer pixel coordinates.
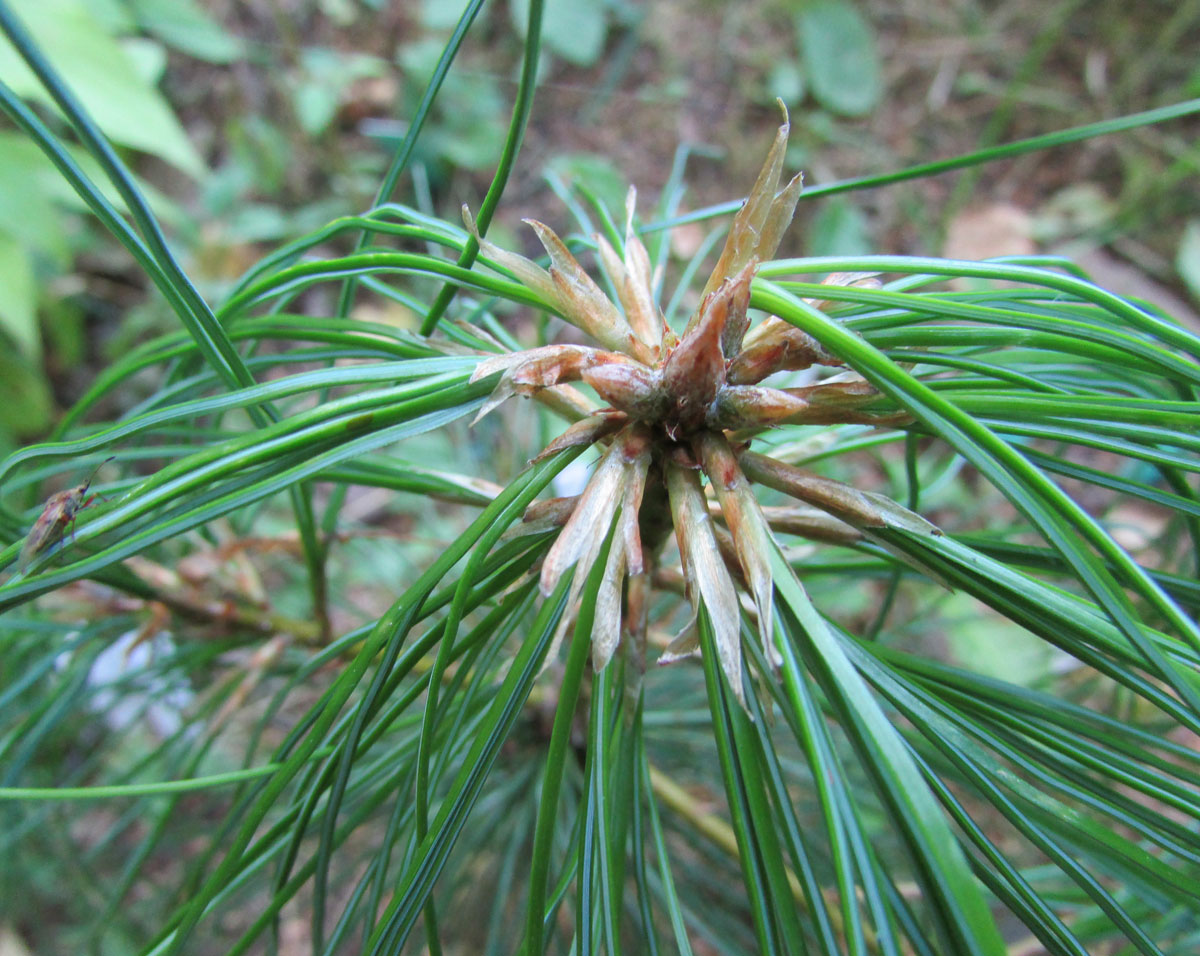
{"type": "Point", "coordinates": [785, 81]}
{"type": "Point", "coordinates": [595, 173]}
{"type": "Point", "coordinates": [992, 645]}
{"type": "Point", "coordinates": [574, 29]}
{"type": "Point", "coordinates": [26, 172]}
{"type": "Point", "coordinates": [187, 27]}
{"type": "Point", "coordinates": [1075, 210]}
{"type": "Point", "coordinates": [839, 229]}
{"type": "Point", "coordinates": [25, 401]}
{"type": "Point", "coordinates": [257, 222]}
{"type": "Point", "coordinates": [27, 209]}
{"type": "Point", "coordinates": [259, 155]}
{"type": "Point", "coordinates": [327, 76]}
{"type": "Point", "coordinates": [1187, 258]}
{"type": "Point", "coordinates": [18, 297]}
{"type": "Point", "coordinates": [442, 14]}
{"type": "Point", "coordinates": [315, 104]}
{"type": "Point", "coordinates": [62, 322]}
{"type": "Point", "coordinates": [1191, 87]}
{"type": "Point", "coordinates": [838, 48]}
{"type": "Point", "coordinates": [340, 12]}
{"type": "Point", "coordinates": [104, 78]}
{"type": "Point", "coordinates": [147, 57]}
{"type": "Point", "coordinates": [470, 113]}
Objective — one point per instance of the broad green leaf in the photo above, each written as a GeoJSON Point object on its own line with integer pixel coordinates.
{"type": "Point", "coordinates": [839, 54]}
{"type": "Point", "coordinates": [27, 210]}
{"type": "Point", "coordinates": [18, 297]}
{"type": "Point", "coordinates": [186, 26]}
{"type": "Point", "coordinates": [574, 29]}
{"type": "Point", "coordinates": [25, 402]}
{"type": "Point", "coordinates": [104, 78]}
{"type": "Point", "coordinates": [147, 57]}
{"type": "Point", "coordinates": [29, 182]}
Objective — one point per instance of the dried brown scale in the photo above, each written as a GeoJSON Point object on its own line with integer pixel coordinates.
{"type": "Point", "coordinates": [838, 394]}
{"type": "Point", "coordinates": [545, 515]}
{"type": "Point", "coordinates": [790, 350]}
{"type": "Point", "coordinates": [810, 523]}
{"type": "Point", "coordinates": [694, 372]}
{"type": "Point", "coordinates": [753, 406]}
{"type": "Point", "coordinates": [709, 581]}
{"type": "Point", "coordinates": [636, 616]}
{"type": "Point", "coordinates": [579, 294]}
{"type": "Point", "coordinates": [858, 508]}
{"type": "Point", "coordinates": [654, 520]}
{"type": "Point", "coordinates": [832, 416]}
{"type": "Point", "coordinates": [729, 554]}
{"type": "Point", "coordinates": [636, 450]}
{"type": "Point", "coordinates": [778, 346]}
{"type": "Point", "coordinates": [631, 279]}
{"type": "Point", "coordinates": [567, 401]}
{"type": "Point", "coordinates": [635, 390]}
{"type": "Point", "coordinates": [586, 431]}
{"type": "Point", "coordinates": [833, 402]}
{"type": "Point", "coordinates": [760, 223]}
{"type": "Point", "coordinates": [676, 405]}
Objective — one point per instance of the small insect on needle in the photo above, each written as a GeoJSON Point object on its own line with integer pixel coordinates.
{"type": "Point", "coordinates": [59, 511]}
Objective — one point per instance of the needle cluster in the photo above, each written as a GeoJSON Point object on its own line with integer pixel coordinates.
{"type": "Point", "coordinates": [677, 408]}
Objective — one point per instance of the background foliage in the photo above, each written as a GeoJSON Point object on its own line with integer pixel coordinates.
{"type": "Point", "coordinates": [285, 684]}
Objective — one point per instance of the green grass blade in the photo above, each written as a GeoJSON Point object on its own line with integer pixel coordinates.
{"type": "Point", "coordinates": [399, 163]}
{"type": "Point", "coordinates": [512, 145]}
{"type": "Point", "coordinates": [1005, 151]}
{"type": "Point", "coordinates": [552, 779]}
{"type": "Point", "coordinates": [735, 774]}
{"type": "Point", "coordinates": [416, 883]}
{"type": "Point", "coordinates": [1060, 519]}
{"type": "Point", "coordinates": [961, 914]}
